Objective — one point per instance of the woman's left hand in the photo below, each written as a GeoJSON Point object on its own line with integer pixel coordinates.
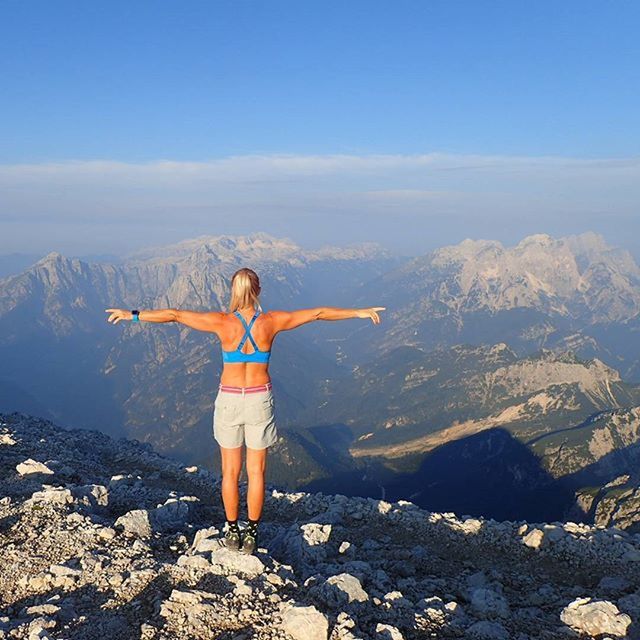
{"type": "Point", "coordinates": [371, 312]}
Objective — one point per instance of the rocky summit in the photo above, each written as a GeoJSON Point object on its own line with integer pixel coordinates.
{"type": "Point", "coordinates": [103, 538]}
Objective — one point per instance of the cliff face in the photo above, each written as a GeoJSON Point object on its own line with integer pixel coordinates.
{"type": "Point", "coordinates": [103, 538]}
{"type": "Point", "coordinates": [617, 503]}
{"type": "Point", "coordinates": [597, 449]}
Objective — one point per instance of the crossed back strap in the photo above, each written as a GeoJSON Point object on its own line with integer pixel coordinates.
{"type": "Point", "coordinates": [247, 332]}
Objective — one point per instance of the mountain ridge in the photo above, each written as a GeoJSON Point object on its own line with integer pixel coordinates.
{"type": "Point", "coordinates": [107, 538]}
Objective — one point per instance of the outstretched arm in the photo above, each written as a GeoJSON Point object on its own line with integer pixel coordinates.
{"type": "Point", "coordinates": [202, 321]}
{"type": "Point", "coordinates": [286, 320]}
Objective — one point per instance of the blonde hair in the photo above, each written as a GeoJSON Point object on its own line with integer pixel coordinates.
{"type": "Point", "coordinates": [245, 289]}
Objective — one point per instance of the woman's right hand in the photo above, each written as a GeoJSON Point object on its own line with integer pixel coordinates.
{"type": "Point", "coordinates": [371, 312]}
{"type": "Point", "coordinates": [119, 314]}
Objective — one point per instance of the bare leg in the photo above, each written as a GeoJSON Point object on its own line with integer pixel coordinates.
{"type": "Point", "coordinates": [231, 467]}
{"type": "Point", "coordinates": [256, 465]}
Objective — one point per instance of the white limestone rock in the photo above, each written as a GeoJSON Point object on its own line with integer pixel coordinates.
{"type": "Point", "coordinates": [315, 534]}
{"type": "Point", "coordinates": [194, 562]}
{"type": "Point", "coordinates": [135, 522]}
{"type": "Point", "coordinates": [304, 623]}
{"type": "Point", "coordinates": [202, 540]}
{"type": "Point", "coordinates": [41, 610]}
{"type": "Point", "coordinates": [31, 467]}
{"type": "Point", "coordinates": [53, 495]}
{"type": "Point", "coordinates": [92, 495]}
{"type": "Point", "coordinates": [186, 597]}
{"type": "Point", "coordinates": [388, 632]}
{"type": "Point", "coordinates": [395, 599]}
{"type": "Point", "coordinates": [106, 533]}
{"type": "Point", "coordinates": [595, 617]}
{"type": "Point", "coordinates": [173, 513]}
{"type": "Point", "coordinates": [553, 532]}
{"type": "Point", "coordinates": [534, 538]}
{"type": "Point", "coordinates": [471, 526]}
{"type": "Point", "coordinates": [7, 439]}
{"type": "Point", "coordinates": [348, 585]}
{"type": "Point", "coordinates": [226, 561]}
{"type": "Point", "coordinates": [64, 570]}
{"type": "Point", "coordinates": [438, 612]}
{"type": "Point", "coordinates": [345, 546]}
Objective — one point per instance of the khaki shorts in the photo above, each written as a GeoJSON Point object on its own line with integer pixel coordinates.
{"type": "Point", "coordinates": [244, 418]}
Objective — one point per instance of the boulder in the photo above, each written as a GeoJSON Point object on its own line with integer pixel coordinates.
{"type": "Point", "coordinates": [6, 438]}
{"type": "Point", "coordinates": [387, 632]}
{"type": "Point", "coordinates": [595, 617]}
{"type": "Point", "coordinates": [135, 522]}
{"type": "Point", "coordinates": [349, 585]}
{"type": "Point", "coordinates": [534, 538]}
{"type": "Point", "coordinates": [226, 561]}
{"type": "Point", "coordinates": [53, 495]}
{"type": "Point", "coordinates": [314, 533]}
{"type": "Point", "coordinates": [31, 467]}
{"type": "Point", "coordinates": [202, 541]}
{"type": "Point", "coordinates": [93, 495]}
{"type": "Point", "coordinates": [305, 623]}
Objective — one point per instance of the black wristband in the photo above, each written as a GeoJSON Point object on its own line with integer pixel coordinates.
{"type": "Point", "coordinates": [136, 316]}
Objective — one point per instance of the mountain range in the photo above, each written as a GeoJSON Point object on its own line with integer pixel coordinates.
{"type": "Point", "coordinates": [488, 367]}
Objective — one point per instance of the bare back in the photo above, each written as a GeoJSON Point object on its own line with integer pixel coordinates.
{"type": "Point", "coordinates": [264, 330]}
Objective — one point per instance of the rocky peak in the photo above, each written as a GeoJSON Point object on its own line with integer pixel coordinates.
{"type": "Point", "coordinates": [51, 263]}
{"type": "Point", "coordinates": [258, 247]}
{"type": "Point", "coordinates": [467, 250]}
{"type": "Point", "coordinates": [587, 243]}
{"type": "Point", "coordinates": [52, 256]}
{"type": "Point", "coordinates": [105, 538]}
{"type": "Point", "coordinates": [578, 276]}
{"type": "Point", "coordinates": [537, 240]}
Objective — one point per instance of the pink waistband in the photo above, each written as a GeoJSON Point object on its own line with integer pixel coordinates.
{"type": "Point", "coordinates": [260, 387]}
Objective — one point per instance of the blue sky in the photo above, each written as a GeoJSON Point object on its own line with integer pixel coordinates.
{"type": "Point", "coordinates": [138, 83]}
{"type": "Point", "coordinates": [198, 80]}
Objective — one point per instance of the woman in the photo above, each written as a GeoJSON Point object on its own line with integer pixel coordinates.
{"type": "Point", "coordinates": [244, 410]}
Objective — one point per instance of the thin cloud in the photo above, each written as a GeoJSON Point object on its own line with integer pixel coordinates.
{"type": "Point", "coordinates": [287, 191]}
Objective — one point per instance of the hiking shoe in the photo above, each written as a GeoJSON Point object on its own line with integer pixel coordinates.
{"type": "Point", "coordinates": [249, 540]}
{"type": "Point", "coordinates": [232, 538]}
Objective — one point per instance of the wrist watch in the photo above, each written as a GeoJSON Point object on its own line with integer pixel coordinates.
{"type": "Point", "coordinates": [136, 316]}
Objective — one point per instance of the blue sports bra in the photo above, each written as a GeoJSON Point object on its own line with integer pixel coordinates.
{"type": "Point", "coordinates": [237, 355]}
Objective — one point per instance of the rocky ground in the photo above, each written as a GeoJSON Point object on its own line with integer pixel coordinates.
{"type": "Point", "coordinates": [103, 538]}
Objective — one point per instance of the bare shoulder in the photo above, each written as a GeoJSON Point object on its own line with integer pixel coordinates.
{"type": "Point", "coordinates": [287, 320]}
{"type": "Point", "coordinates": [272, 317]}
{"type": "Point", "coordinates": [210, 321]}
